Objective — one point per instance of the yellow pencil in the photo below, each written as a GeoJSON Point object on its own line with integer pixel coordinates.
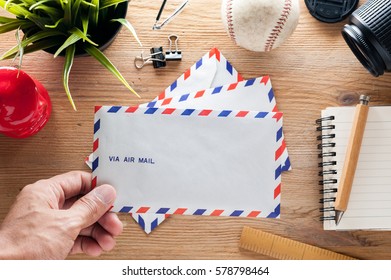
{"type": "Point", "coordinates": [351, 158]}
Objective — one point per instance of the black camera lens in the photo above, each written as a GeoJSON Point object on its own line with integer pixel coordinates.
{"type": "Point", "coordinates": [368, 35]}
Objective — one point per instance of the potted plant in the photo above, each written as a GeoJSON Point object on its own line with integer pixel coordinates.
{"type": "Point", "coordinates": [68, 28]}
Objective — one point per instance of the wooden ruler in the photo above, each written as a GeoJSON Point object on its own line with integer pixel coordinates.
{"type": "Point", "coordinates": [283, 248]}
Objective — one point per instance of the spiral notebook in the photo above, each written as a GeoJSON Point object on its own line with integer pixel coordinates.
{"type": "Point", "coordinates": [370, 199]}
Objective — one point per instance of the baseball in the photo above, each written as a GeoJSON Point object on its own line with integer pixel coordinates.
{"type": "Point", "coordinates": [260, 25]}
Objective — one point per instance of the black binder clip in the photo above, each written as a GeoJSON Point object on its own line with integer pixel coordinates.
{"type": "Point", "coordinates": [173, 54]}
{"type": "Point", "coordinates": [157, 58]}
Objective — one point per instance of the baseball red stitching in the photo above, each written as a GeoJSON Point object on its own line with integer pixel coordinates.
{"type": "Point", "coordinates": [230, 19]}
{"type": "Point", "coordinates": [279, 25]}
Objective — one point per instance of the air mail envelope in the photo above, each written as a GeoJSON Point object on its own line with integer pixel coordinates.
{"type": "Point", "coordinates": [187, 161]}
{"type": "Point", "coordinates": [211, 70]}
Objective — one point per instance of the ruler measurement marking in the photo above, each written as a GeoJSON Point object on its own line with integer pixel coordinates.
{"type": "Point", "coordinates": [283, 248]}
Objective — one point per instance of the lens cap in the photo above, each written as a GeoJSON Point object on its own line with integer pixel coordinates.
{"type": "Point", "coordinates": [331, 11]}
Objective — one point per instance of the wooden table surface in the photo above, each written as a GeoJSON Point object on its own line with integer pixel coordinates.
{"type": "Point", "coordinates": [312, 70]}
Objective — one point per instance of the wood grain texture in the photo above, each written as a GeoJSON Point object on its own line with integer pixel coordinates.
{"type": "Point", "coordinates": [312, 70]}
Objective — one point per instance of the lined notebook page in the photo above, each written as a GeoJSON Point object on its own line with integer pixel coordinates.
{"type": "Point", "coordinates": [370, 199]}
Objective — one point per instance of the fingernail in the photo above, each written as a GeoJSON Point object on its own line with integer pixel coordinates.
{"type": "Point", "coordinates": [105, 193]}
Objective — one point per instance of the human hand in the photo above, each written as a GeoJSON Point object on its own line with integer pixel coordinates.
{"type": "Point", "coordinates": [53, 218]}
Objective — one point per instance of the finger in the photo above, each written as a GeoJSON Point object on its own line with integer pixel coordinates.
{"type": "Point", "coordinates": [105, 240]}
{"type": "Point", "coordinates": [70, 201]}
{"type": "Point", "coordinates": [62, 187]}
{"type": "Point", "coordinates": [109, 222]}
{"type": "Point", "coordinates": [86, 245]}
{"type": "Point", "coordinates": [72, 183]}
{"type": "Point", "coordinates": [92, 206]}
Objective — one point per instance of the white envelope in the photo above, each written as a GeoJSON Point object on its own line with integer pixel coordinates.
{"type": "Point", "coordinates": [186, 161]}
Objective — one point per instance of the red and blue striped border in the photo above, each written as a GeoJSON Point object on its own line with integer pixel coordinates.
{"type": "Point", "coordinates": [201, 212]}
{"type": "Point", "coordinates": [186, 112]}
{"type": "Point", "coordinates": [148, 222]}
{"type": "Point", "coordinates": [263, 81]}
{"type": "Point", "coordinates": [214, 53]}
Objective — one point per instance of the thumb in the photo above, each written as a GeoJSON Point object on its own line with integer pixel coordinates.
{"type": "Point", "coordinates": [93, 205]}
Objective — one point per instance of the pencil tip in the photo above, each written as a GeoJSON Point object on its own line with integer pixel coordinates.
{"type": "Point", "coordinates": [364, 99]}
{"type": "Point", "coordinates": [338, 216]}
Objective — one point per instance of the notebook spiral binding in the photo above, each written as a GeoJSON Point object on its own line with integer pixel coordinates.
{"type": "Point", "coordinates": [328, 171]}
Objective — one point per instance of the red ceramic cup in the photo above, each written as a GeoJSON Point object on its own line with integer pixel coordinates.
{"type": "Point", "coordinates": [25, 105]}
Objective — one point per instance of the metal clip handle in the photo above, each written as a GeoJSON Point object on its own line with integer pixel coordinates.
{"type": "Point", "coordinates": [173, 54]}
{"type": "Point", "coordinates": [140, 61]}
{"type": "Point", "coordinates": [156, 57]}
